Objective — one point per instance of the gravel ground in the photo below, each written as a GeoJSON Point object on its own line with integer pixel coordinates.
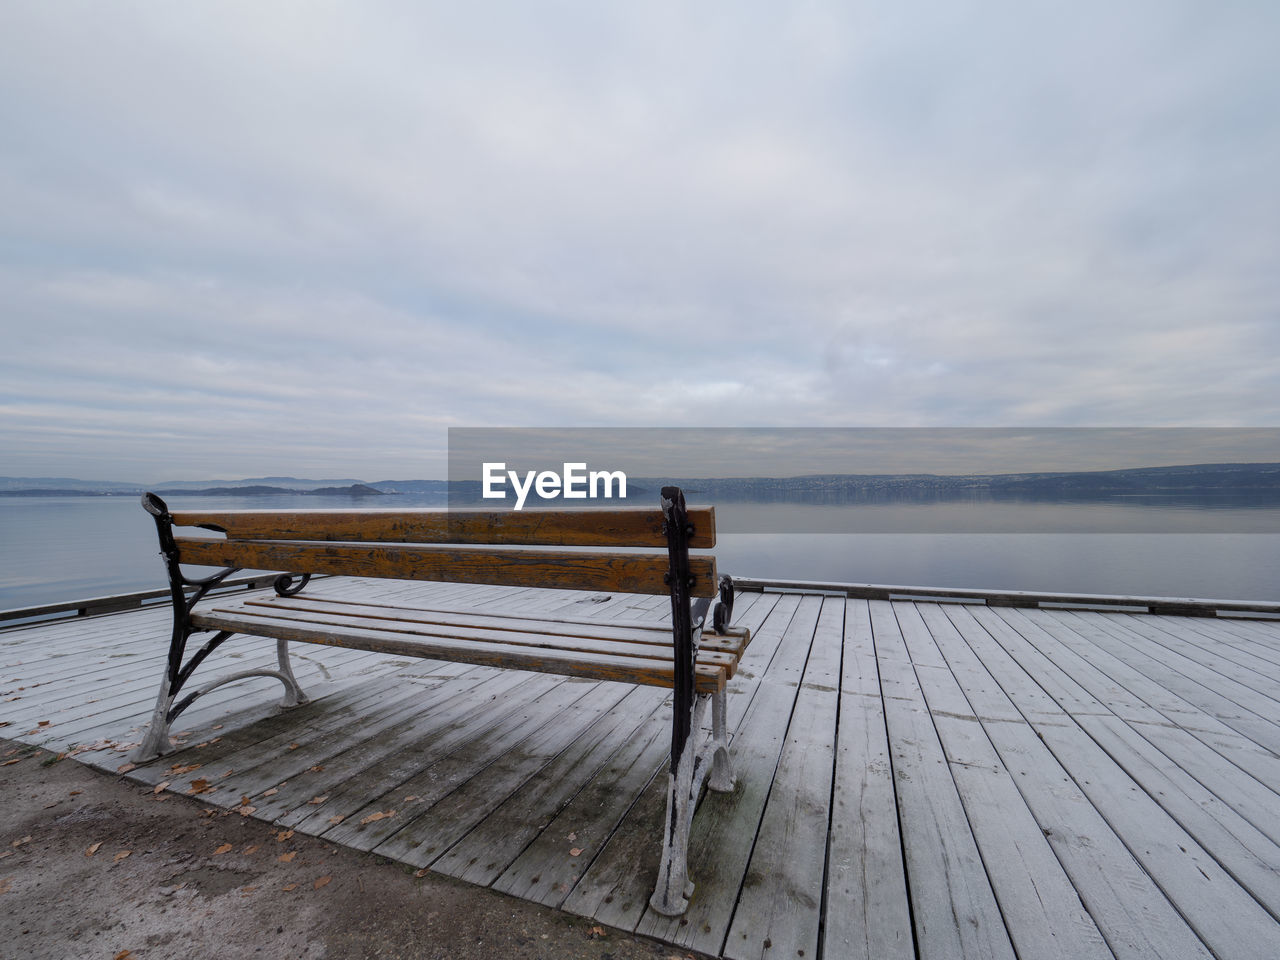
{"type": "Point", "coordinates": [93, 866]}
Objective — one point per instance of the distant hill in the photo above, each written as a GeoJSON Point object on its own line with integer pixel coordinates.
{"type": "Point", "coordinates": [1199, 479]}
{"type": "Point", "coordinates": [1254, 479]}
{"type": "Point", "coordinates": [262, 490]}
{"type": "Point", "coordinates": [278, 484]}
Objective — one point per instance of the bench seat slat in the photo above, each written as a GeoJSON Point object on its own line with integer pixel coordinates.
{"type": "Point", "coordinates": [410, 627]}
{"type": "Point", "coordinates": [654, 635]}
{"type": "Point", "coordinates": [623, 572]}
{"type": "Point", "coordinates": [597, 666]}
{"type": "Point", "coordinates": [617, 527]}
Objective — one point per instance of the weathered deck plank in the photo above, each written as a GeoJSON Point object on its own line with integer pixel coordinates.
{"type": "Point", "coordinates": [617, 891]}
{"type": "Point", "coordinates": [548, 870]}
{"type": "Point", "coordinates": [865, 911]}
{"type": "Point", "coordinates": [916, 779]}
{"type": "Point", "coordinates": [1132, 911]}
{"type": "Point", "coordinates": [778, 911]}
{"type": "Point", "coordinates": [1042, 911]}
{"type": "Point", "coordinates": [954, 908]}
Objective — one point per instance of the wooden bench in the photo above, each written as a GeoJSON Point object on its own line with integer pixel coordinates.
{"type": "Point", "coordinates": [695, 656]}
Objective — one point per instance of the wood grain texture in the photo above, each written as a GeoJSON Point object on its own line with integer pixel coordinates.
{"type": "Point", "coordinates": [779, 907]}
{"type": "Point", "coordinates": [489, 849]}
{"type": "Point", "coordinates": [543, 639]}
{"type": "Point", "coordinates": [1044, 916]}
{"type": "Point", "coordinates": [651, 671]}
{"type": "Point", "coordinates": [953, 904]}
{"type": "Point", "coordinates": [723, 836]}
{"type": "Point", "coordinates": [625, 572]}
{"type": "Point", "coordinates": [463, 754]}
{"type": "Point", "coordinates": [866, 914]}
{"type": "Point", "coordinates": [433, 830]}
{"type": "Point", "coordinates": [649, 634]}
{"type": "Point", "coordinates": [1109, 761]}
{"type": "Point", "coordinates": [1130, 909]}
{"type": "Point", "coordinates": [589, 527]}
{"type": "Point", "coordinates": [547, 870]}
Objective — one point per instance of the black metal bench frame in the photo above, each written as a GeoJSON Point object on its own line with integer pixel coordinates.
{"type": "Point", "coordinates": [692, 764]}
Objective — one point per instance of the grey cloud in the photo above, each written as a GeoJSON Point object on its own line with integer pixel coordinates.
{"type": "Point", "coordinates": [305, 232]}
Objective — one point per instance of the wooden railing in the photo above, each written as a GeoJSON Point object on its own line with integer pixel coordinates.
{"type": "Point", "coordinates": [92, 606]}
{"type": "Point", "coordinates": [1182, 606]}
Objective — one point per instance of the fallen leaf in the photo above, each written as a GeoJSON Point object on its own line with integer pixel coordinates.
{"type": "Point", "coordinates": [9, 763]}
{"type": "Point", "coordinates": [225, 848]}
{"type": "Point", "coordinates": [410, 798]}
{"type": "Point", "coordinates": [289, 886]}
{"type": "Point", "coordinates": [199, 786]}
{"type": "Point", "coordinates": [93, 848]}
{"type": "Point", "coordinates": [160, 787]}
{"type": "Point", "coordinates": [121, 855]}
{"type": "Point", "coordinates": [43, 723]}
{"type": "Point", "coordinates": [318, 768]}
{"type": "Point", "coordinates": [338, 819]}
{"type": "Point", "coordinates": [284, 835]}
{"type": "Point", "coordinates": [253, 849]}
{"type": "Point", "coordinates": [245, 811]}
{"type": "Point", "coordinates": [421, 873]}
{"type": "Point", "coordinates": [178, 769]}
{"type": "Point", "coordinates": [371, 818]}
{"type": "Point", "coordinates": [287, 857]}
{"type": "Point", "coordinates": [316, 800]}
{"type": "Point", "coordinates": [294, 746]}
{"type": "Point", "coordinates": [595, 933]}
{"type": "Point", "coordinates": [322, 882]}
{"type": "Point", "coordinates": [575, 852]}
{"type": "Point", "coordinates": [75, 793]}
{"type": "Point", "coordinates": [270, 793]}
{"type": "Point", "coordinates": [217, 726]}
{"type": "Point", "coordinates": [126, 767]}
{"type": "Point", "coordinates": [6, 885]}
{"type": "Point", "coordinates": [123, 955]}
{"type": "Point", "coordinates": [22, 841]}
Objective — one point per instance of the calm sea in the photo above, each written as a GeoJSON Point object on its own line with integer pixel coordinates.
{"type": "Point", "coordinates": [67, 548]}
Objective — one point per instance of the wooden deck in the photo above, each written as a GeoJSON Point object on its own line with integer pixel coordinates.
{"type": "Point", "coordinates": [947, 780]}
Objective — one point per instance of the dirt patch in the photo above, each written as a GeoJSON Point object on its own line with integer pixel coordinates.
{"type": "Point", "coordinates": [92, 865]}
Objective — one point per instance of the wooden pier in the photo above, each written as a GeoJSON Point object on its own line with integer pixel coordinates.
{"type": "Point", "coordinates": [916, 778]}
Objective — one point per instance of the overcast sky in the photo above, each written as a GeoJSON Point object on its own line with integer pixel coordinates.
{"type": "Point", "coordinates": [242, 239]}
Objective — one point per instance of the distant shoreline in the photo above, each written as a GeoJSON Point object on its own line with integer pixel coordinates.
{"type": "Point", "coordinates": [1217, 479]}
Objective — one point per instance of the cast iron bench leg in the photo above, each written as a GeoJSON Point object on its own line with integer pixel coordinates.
{"type": "Point", "coordinates": [155, 743]}
{"type": "Point", "coordinates": [684, 784]}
